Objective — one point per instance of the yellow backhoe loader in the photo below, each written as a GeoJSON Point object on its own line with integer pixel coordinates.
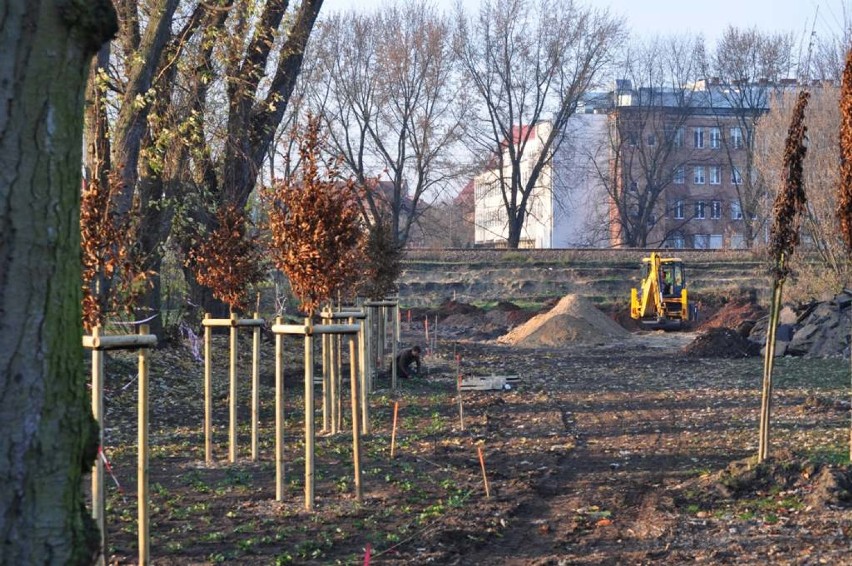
{"type": "Point", "coordinates": [662, 301]}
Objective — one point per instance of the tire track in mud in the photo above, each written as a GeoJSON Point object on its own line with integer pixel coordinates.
{"type": "Point", "coordinates": [614, 480]}
{"type": "Point", "coordinates": [604, 500]}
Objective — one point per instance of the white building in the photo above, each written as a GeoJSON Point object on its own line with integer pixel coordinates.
{"type": "Point", "coordinates": [568, 205]}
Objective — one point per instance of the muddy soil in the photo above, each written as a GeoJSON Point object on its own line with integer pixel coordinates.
{"type": "Point", "coordinates": [622, 451]}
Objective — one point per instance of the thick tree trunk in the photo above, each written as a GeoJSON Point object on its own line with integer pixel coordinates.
{"type": "Point", "coordinates": [49, 438]}
{"type": "Point", "coordinates": [516, 225]}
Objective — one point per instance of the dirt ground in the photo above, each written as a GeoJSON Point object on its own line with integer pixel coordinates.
{"type": "Point", "coordinates": [631, 450]}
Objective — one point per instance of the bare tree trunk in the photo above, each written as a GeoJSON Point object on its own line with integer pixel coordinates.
{"type": "Point", "coordinates": [49, 437]}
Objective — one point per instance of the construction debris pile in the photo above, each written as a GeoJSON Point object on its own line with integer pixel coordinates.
{"type": "Point", "coordinates": [817, 329]}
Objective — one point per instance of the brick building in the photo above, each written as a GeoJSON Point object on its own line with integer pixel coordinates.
{"type": "Point", "coordinates": [682, 165]}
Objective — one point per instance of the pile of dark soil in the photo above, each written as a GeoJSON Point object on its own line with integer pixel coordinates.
{"type": "Point", "coordinates": [721, 343]}
{"type": "Point", "coordinates": [817, 485]}
{"type": "Point", "coordinates": [739, 314]}
{"type": "Point", "coordinates": [508, 314]}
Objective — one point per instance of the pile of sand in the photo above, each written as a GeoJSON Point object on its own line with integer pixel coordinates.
{"type": "Point", "coordinates": [573, 319]}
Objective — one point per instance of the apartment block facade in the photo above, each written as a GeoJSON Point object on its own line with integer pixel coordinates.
{"type": "Point", "coordinates": [641, 167]}
{"type": "Point", "coordinates": [682, 166]}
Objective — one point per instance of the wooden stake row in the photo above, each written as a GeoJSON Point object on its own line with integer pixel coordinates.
{"type": "Point", "coordinates": [97, 343]}
{"type": "Point", "coordinates": [309, 330]}
{"type": "Point", "coordinates": [234, 324]}
{"type": "Point", "coordinates": [377, 319]}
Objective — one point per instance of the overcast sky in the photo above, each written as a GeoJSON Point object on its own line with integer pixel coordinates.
{"type": "Point", "coordinates": [707, 17]}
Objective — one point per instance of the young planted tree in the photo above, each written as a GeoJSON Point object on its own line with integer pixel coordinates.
{"type": "Point", "coordinates": [49, 438]}
{"type": "Point", "coordinates": [113, 276]}
{"type": "Point", "coordinates": [229, 261]}
{"type": "Point", "coordinates": [314, 225]}
{"type": "Point", "coordinates": [844, 201]}
{"type": "Point", "coordinates": [783, 239]}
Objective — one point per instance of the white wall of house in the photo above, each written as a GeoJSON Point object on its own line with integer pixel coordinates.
{"type": "Point", "coordinates": [567, 207]}
{"type": "Point", "coordinates": [581, 210]}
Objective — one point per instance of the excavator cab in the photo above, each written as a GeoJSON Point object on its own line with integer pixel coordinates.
{"type": "Point", "coordinates": [662, 301]}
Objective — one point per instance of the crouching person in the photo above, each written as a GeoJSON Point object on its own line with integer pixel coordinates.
{"type": "Point", "coordinates": [405, 359]}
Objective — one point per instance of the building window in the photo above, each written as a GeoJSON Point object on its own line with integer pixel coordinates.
{"type": "Point", "coordinates": [736, 178]}
{"type": "Point", "coordinates": [698, 175]}
{"type": "Point", "coordinates": [698, 137]}
{"type": "Point", "coordinates": [716, 209]}
{"type": "Point", "coordinates": [736, 211]}
{"type": "Point", "coordinates": [701, 241]}
{"type": "Point", "coordinates": [652, 219]}
{"type": "Point", "coordinates": [679, 136]}
{"type": "Point", "coordinates": [679, 175]}
{"type": "Point", "coordinates": [699, 209]}
{"type": "Point", "coordinates": [736, 138]}
{"type": "Point", "coordinates": [715, 174]}
{"type": "Point", "coordinates": [716, 241]}
{"type": "Point", "coordinates": [651, 140]}
{"type": "Point", "coordinates": [678, 209]}
{"type": "Point", "coordinates": [715, 138]}
{"type": "Point", "coordinates": [677, 241]}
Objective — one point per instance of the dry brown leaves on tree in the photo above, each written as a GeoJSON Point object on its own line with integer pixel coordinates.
{"type": "Point", "coordinates": [317, 239]}
{"type": "Point", "coordinates": [113, 277]}
{"type": "Point", "coordinates": [844, 204]}
{"type": "Point", "coordinates": [790, 202]}
{"type": "Point", "coordinates": [230, 261]}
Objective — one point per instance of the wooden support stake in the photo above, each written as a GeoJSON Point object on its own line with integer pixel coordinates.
{"type": "Point", "coordinates": [326, 384]}
{"type": "Point", "coordinates": [396, 328]}
{"type": "Point", "coordinates": [309, 416]}
{"type": "Point", "coordinates": [232, 430]}
{"type": "Point", "coordinates": [484, 475]}
{"type": "Point", "coordinates": [393, 430]}
{"type": "Point", "coordinates": [356, 430]}
{"type": "Point", "coordinates": [380, 344]}
{"type": "Point", "coordinates": [368, 344]}
{"type": "Point", "coordinates": [208, 394]}
{"type": "Point", "coordinates": [393, 355]}
{"type": "Point", "coordinates": [98, 492]}
{"type": "Point", "coordinates": [434, 348]}
{"type": "Point", "coordinates": [142, 458]}
{"type": "Point", "coordinates": [334, 382]}
{"type": "Point", "coordinates": [279, 416]}
{"type": "Point", "coordinates": [255, 389]}
{"type": "Point", "coordinates": [338, 373]}
{"type": "Point", "coordinates": [362, 366]}
{"type": "Point", "coordinates": [459, 392]}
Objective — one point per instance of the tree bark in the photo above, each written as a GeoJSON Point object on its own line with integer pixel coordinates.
{"type": "Point", "coordinates": [49, 438]}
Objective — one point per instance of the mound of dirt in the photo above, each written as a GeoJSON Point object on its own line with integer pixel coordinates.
{"type": "Point", "coordinates": [573, 319]}
{"type": "Point", "coordinates": [739, 314]}
{"type": "Point", "coordinates": [508, 315]}
{"type": "Point", "coordinates": [822, 484]}
{"type": "Point", "coordinates": [721, 343]}
{"type": "Point", "coordinates": [449, 308]}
